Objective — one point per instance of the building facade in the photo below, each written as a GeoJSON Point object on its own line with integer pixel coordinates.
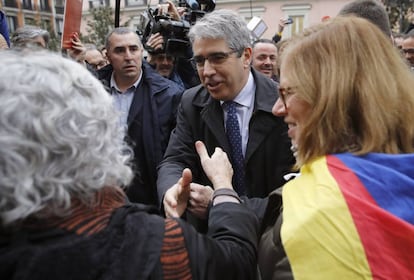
{"type": "Point", "coordinates": [304, 13]}
{"type": "Point", "coordinates": [49, 14]}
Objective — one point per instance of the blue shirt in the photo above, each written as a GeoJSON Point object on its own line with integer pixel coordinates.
{"type": "Point", "coordinates": [122, 100]}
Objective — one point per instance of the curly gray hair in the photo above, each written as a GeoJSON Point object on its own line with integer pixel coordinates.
{"type": "Point", "coordinates": [59, 136]}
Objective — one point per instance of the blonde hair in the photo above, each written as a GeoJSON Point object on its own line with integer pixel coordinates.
{"type": "Point", "coordinates": [360, 90]}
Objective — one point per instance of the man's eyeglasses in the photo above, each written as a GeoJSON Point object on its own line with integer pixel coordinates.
{"type": "Point", "coordinates": [98, 65]}
{"type": "Point", "coordinates": [162, 57]}
{"type": "Point", "coordinates": [410, 51]}
{"type": "Point", "coordinates": [213, 58]}
{"type": "Point", "coordinates": [286, 93]}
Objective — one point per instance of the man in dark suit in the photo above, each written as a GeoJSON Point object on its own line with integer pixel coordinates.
{"type": "Point", "coordinates": [222, 56]}
{"type": "Point", "coordinates": [147, 103]}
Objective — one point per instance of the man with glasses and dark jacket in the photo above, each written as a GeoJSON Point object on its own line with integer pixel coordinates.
{"type": "Point", "coordinates": [232, 97]}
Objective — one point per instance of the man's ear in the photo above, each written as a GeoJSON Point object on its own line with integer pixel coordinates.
{"type": "Point", "coordinates": [247, 57]}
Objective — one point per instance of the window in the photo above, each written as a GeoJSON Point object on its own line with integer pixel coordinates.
{"type": "Point", "coordinates": [27, 4]}
{"type": "Point", "coordinates": [59, 26]}
{"type": "Point", "coordinates": [98, 3]}
{"type": "Point", "coordinates": [12, 23]}
{"type": "Point", "coordinates": [297, 25]}
{"type": "Point", "coordinates": [135, 2]}
{"type": "Point", "coordinates": [59, 6]}
{"type": "Point", "coordinates": [10, 3]}
{"type": "Point", "coordinates": [299, 14]}
{"type": "Point", "coordinates": [44, 5]}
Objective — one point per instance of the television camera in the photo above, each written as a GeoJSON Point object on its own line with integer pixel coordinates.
{"type": "Point", "coordinates": [173, 32]}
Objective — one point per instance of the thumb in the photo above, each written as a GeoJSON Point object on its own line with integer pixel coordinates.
{"type": "Point", "coordinates": [186, 179]}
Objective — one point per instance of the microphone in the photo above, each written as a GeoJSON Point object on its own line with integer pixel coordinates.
{"type": "Point", "coordinates": [193, 4]}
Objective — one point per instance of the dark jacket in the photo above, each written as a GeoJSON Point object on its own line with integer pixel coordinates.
{"type": "Point", "coordinates": [4, 29]}
{"type": "Point", "coordinates": [152, 127]}
{"type": "Point", "coordinates": [268, 156]}
{"type": "Point", "coordinates": [272, 260]}
{"type": "Point", "coordinates": [118, 241]}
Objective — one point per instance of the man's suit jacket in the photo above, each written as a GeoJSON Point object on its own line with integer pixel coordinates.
{"type": "Point", "coordinates": [268, 156]}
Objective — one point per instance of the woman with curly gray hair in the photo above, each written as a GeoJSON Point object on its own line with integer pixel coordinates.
{"type": "Point", "coordinates": [63, 213]}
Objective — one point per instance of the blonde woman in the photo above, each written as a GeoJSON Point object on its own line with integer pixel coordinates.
{"type": "Point", "coordinates": [348, 100]}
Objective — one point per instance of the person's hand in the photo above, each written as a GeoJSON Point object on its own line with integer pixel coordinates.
{"type": "Point", "coordinates": [281, 25]}
{"type": "Point", "coordinates": [217, 167]}
{"type": "Point", "coordinates": [200, 198]}
{"type": "Point", "coordinates": [173, 11]}
{"type": "Point", "coordinates": [77, 51]}
{"type": "Point", "coordinates": [176, 198]}
{"type": "Point", "coordinates": [181, 11]}
{"type": "Point", "coordinates": [155, 42]}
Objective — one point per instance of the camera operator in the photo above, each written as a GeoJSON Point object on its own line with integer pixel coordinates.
{"type": "Point", "coordinates": [167, 62]}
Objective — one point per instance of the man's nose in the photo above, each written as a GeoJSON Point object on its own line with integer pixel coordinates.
{"type": "Point", "coordinates": [208, 68]}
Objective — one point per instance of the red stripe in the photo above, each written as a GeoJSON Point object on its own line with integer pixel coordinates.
{"type": "Point", "coordinates": [387, 239]}
{"type": "Point", "coordinates": [174, 256]}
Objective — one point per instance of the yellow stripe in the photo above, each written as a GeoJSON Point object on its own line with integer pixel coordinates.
{"type": "Point", "coordinates": [318, 233]}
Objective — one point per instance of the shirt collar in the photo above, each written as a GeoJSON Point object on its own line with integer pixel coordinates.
{"type": "Point", "coordinates": [115, 86]}
{"type": "Point", "coordinates": [246, 95]}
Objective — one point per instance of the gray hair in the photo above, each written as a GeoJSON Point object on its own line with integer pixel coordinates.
{"type": "Point", "coordinates": [23, 36]}
{"type": "Point", "coordinates": [89, 46]}
{"type": "Point", "coordinates": [59, 136]}
{"type": "Point", "coordinates": [222, 24]}
{"type": "Point", "coordinates": [120, 31]}
{"type": "Point", "coordinates": [371, 10]}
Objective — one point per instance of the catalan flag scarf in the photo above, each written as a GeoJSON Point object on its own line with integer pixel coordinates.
{"type": "Point", "coordinates": [351, 217]}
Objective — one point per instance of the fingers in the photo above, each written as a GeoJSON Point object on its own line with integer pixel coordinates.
{"type": "Point", "coordinates": [201, 194]}
{"type": "Point", "coordinates": [176, 198]}
{"type": "Point", "coordinates": [155, 41]}
{"type": "Point", "coordinates": [201, 150]}
{"type": "Point", "coordinates": [170, 202]}
{"type": "Point", "coordinates": [199, 201]}
{"type": "Point", "coordinates": [186, 178]}
{"type": "Point", "coordinates": [170, 208]}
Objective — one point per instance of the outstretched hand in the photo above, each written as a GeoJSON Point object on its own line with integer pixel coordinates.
{"type": "Point", "coordinates": [176, 198]}
{"type": "Point", "coordinates": [217, 167]}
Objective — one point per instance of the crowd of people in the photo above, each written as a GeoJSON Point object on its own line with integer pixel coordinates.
{"type": "Point", "coordinates": [268, 159]}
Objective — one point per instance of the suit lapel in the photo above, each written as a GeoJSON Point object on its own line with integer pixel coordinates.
{"type": "Point", "coordinates": [212, 114]}
{"type": "Point", "coordinates": [261, 123]}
